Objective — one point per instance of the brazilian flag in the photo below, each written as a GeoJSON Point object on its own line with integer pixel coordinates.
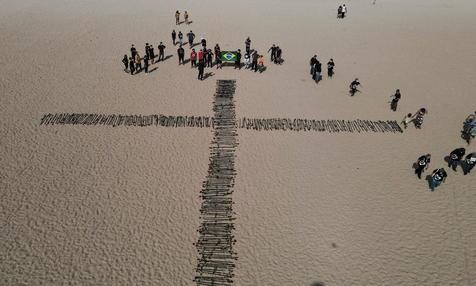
{"type": "Point", "coordinates": [228, 56]}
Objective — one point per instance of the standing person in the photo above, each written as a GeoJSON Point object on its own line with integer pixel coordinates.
{"type": "Point", "coordinates": [254, 61]}
{"type": "Point", "coordinates": [248, 45]}
{"type": "Point", "coordinates": [180, 38]}
{"type": "Point", "coordinates": [125, 61]}
{"type": "Point", "coordinates": [261, 63]}
{"type": "Point", "coordinates": [353, 86]}
{"type": "Point", "coordinates": [204, 43]}
{"type": "Point", "coordinates": [133, 51]}
{"type": "Point", "coordinates": [131, 65]}
{"type": "Point", "coordinates": [185, 15]}
{"type": "Point", "coordinates": [201, 69]}
{"type": "Point", "coordinates": [181, 55]}
{"type": "Point", "coordinates": [138, 62]}
{"type": "Point", "coordinates": [330, 68]}
{"type": "Point", "coordinates": [438, 176]}
{"type": "Point", "coordinates": [146, 64]}
{"type": "Point", "coordinates": [152, 54]}
{"type": "Point", "coordinates": [200, 56]}
{"type": "Point", "coordinates": [238, 59]}
{"type": "Point", "coordinates": [177, 18]}
{"type": "Point", "coordinates": [406, 120]}
{"type": "Point", "coordinates": [273, 52]}
{"type": "Point", "coordinates": [318, 70]}
{"type": "Point", "coordinates": [395, 98]}
{"type": "Point", "coordinates": [344, 10]}
{"type": "Point", "coordinates": [193, 58]}
{"type": "Point", "coordinates": [422, 164]}
{"type": "Point", "coordinates": [418, 117]}
{"type": "Point", "coordinates": [277, 57]}
{"type": "Point", "coordinates": [147, 50]}
{"type": "Point", "coordinates": [161, 48]}
{"type": "Point", "coordinates": [469, 161]}
{"type": "Point", "coordinates": [209, 58]}
{"type": "Point", "coordinates": [455, 157]}
{"type": "Point", "coordinates": [191, 37]}
{"type": "Point", "coordinates": [247, 61]}
{"type": "Point", "coordinates": [339, 12]}
{"type": "Point", "coordinates": [174, 36]}
{"type": "Point", "coordinates": [218, 56]}
{"type": "Point", "coordinates": [312, 64]}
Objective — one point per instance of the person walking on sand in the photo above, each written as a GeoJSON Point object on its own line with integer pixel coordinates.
{"type": "Point", "coordinates": [138, 62]}
{"type": "Point", "coordinates": [406, 120]}
{"type": "Point", "coordinates": [438, 176]}
{"type": "Point", "coordinates": [248, 45]}
{"type": "Point", "coordinates": [353, 86]}
{"type": "Point", "coordinates": [238, 60]}
{"type": "Point", "coordinates": [125, 61]}
{"type": "Point", "coordinates": [161, 48]}
{"type": "Point", "coordinates": [395, 98]}
{"type": "Point", "coordinates": [174, 36]}
{"type": "Point", "coordinates": [201, 69]}
{"type": "Point", "coordinates": [181, 55]}
{"type": "Point", "coordinates": [185, 15]}
{"type": "Point", "coordinates": [455, 157]}
{"type": "Point", "coordinates": [330, 68]}
{"type": "Point", "coordinates": [180, 38]}
{"type": "Point", "coordinates": [273, 52]}
{"type": "Point", "coordinates": [469, 163]}
{"type": "Point", "coordinates": [177, 18]}
{"type": "Point", "coordinates": [422, 164]}
{"type": "Point", "coordinates": [193, 58]}
{"type": "Point", "coordinates": [132, 66]}
{"type": "Point", "coordinates": [191, 37]}
{"type": "Point", "coordinates": [146, 64]}
{"type": "Point", "coordinates": [312, 64]}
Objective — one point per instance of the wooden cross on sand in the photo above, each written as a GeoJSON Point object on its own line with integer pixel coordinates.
{"type": "Point", "coordinates": [216, 258]}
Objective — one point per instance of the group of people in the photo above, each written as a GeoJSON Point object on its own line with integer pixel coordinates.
{"type": "Point", "coordinates": [416, 118]}
{"type": "Point", "coordinates": [454, 159]}
{"type": "Point", "coordinates": [316, 68]}
{"type": "Point", "coordinates": [341, 11]}
{"type": "Point", "coordinates": [133, 64]}
{"type": "Point", "coordinates": [177, 18]}
{"type": "Point", "coordinates": [276, 54]}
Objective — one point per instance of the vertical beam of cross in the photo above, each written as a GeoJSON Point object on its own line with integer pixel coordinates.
{"type": "Point", "coordinates": [216, 260]}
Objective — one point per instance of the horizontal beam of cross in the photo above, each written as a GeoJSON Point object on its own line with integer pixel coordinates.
{"type": "Point", "coordinates": [258, 124]}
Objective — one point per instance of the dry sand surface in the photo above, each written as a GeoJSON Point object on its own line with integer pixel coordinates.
{"type": "Point", "coordinates": [85, 205]}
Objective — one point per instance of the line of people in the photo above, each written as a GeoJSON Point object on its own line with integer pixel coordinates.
{"type": "Point", "coordinates": [133, 64]}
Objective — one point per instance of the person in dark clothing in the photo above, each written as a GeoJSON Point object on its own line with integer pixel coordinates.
{"type": "Point", "coordinates": [147, 50]}
{"type": "Point", "coordinates": [238, 60]}
{"type": "Point", "coordinates": [353, 86]}
{"type": "Point", "coordinates": [191, 37]}
{"type": "Point", "coordinates": [254, 61]}
{"type": "Point", "coordinates": [418, 117]}
{"type": "Point", "coordinates": [146, 64]}
{"type": "Point", "coordinates": [180, 38]}
{"type": "Point", "coordinates": [469, 162]}
{"type": "Point", "coordinates": [277, 58]}
{"type": "Point", "coordinates": [330, 68]}
{"type": "Point", "coordinates": [204, 43]}
{"type": "Point", "coordinates": [318, 71]}
{"type": "Point", "coordinates": [201, 69]}
{"type": "Point", "coordinates": [177, 18]}
{"type": "Point", "coordinates": [422, 164]}
{"type": "Point", "coordinates": [161, 48]}
{"type": "Point", "coordinates": [455, 157]}
{"type": "Point", "coordinates": [174, 36]}
{"type": "Point", "coordinates": [339, 12]}
{"type": "Point", "coordinates": [312, 63]}
{"type": "Point", "coordinates": [273, 52]}
{"type": "Point", "coordinates": [395, 98]}
{"type": "Point", "coordinates": [133, 52]}
{"type": "Point", "coordinates": [151, 54]}
{"type": "Point", "coordinates": [438, 176]}
{"type": "Point", "coordinates": [131, 66]}
{"type": "Point", "coordinates": [248, 45]}
{"type": "Point", "coordinates": [209, 58]}
{"type": "Point", "coordinates": [125, 61]}
{"type": "Point", "coordinates": [181, 55]}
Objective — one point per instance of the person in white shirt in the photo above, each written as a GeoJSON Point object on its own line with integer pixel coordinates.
{"type": "Point", "coordinates": [344, 10]}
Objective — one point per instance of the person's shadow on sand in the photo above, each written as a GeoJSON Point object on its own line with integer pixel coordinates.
{"type": "Point", "coordinates": [207, 75]}
{"type": "Point", "coordinates": [166, 58]}
{"type": "Point", "coordinates": [428, 179]}
{"type": "Point", "coordinates": [318, 283]}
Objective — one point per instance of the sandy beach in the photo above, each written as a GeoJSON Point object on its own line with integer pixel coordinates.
{"type": "Point", "coordinates": [100, 205]}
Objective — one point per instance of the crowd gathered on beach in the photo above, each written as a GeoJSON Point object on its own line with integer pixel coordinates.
{"type": "Point", "coordinates": [204, 57]}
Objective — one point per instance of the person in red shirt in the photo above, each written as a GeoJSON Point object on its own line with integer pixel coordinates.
{"type": "Point", "coordinates": [200, 56]}
{"type": "Point", "coordinates": [193, 58]}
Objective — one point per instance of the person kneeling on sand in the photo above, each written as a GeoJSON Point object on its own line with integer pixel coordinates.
{"type": "Point", "coordinates": [422, 164]}
{"type": "Point", "coordinates": [406, 120]}
{"type": "Point", "coordinates": [438, 176]}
